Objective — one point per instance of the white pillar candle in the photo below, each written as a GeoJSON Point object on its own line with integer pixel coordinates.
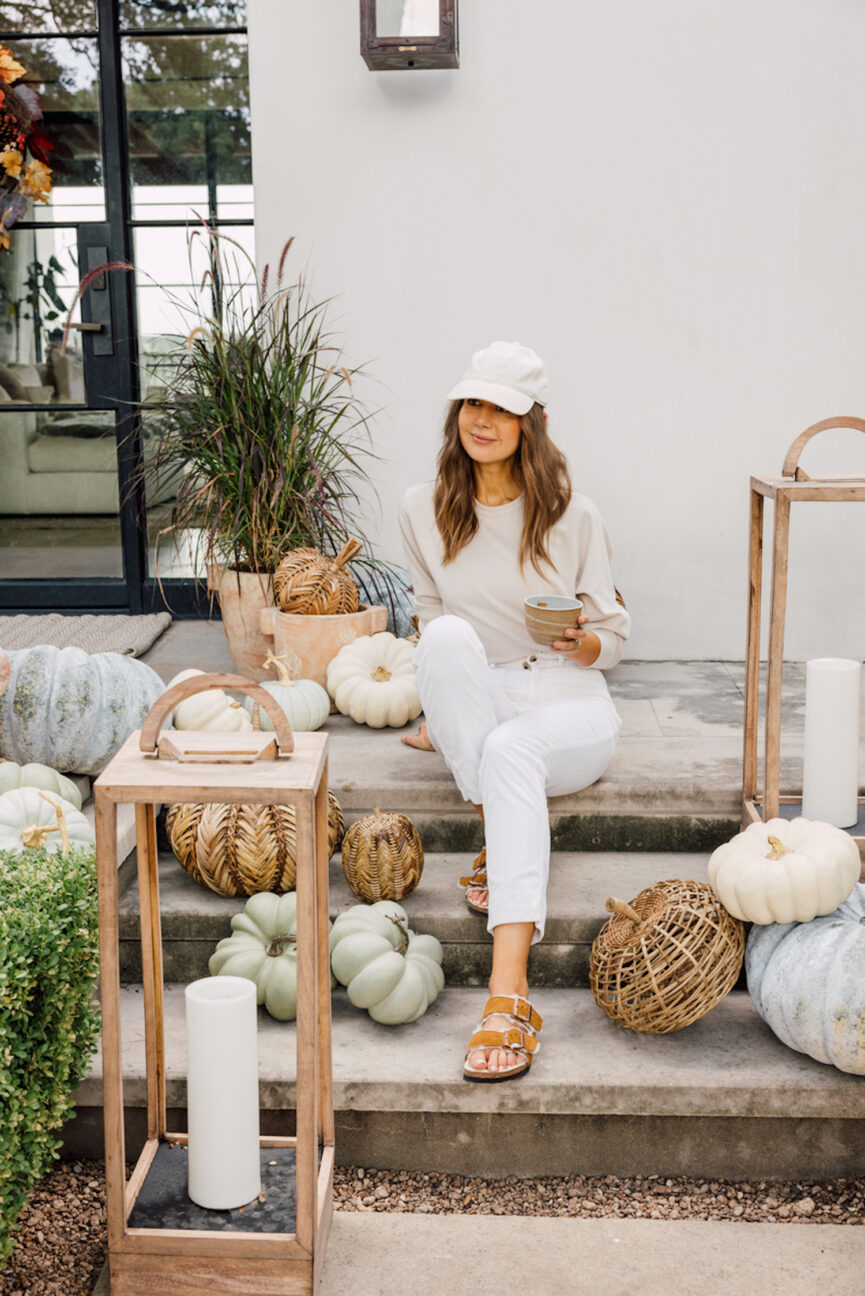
{"type": "Point", "coordinates": [222, 1092]}
{"type": "Point", "coordinates": [830, 779]}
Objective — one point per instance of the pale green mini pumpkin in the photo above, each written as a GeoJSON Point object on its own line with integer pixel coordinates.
{"type": "Point", "coordinates": [388, 969]}
{"type": "Point", "coordinates": [306, 704]}
{"type": "Point", "coordinates": [34, 820]}
{"type": "Point", "coordinates": [263, 948]}
{"type": "Point", "coordinates": [38, 776]}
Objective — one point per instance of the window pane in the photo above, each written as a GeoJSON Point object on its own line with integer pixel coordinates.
{"type": "Point", "coordinates": [188, 114]}
{"type": "Point", "coordinates": [182, 13]}
{"type": "Point", "coordinates": [65, 74]}
{"type": "Point", "coordinates": [48, 16]}
{"type": "Point", "coordinates": [407, 18]}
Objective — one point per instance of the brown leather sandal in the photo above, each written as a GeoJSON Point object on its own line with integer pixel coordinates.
{"type": "Point", "coordinates": [477, 881]}
{"type": "Point", "coordinates": [522, 1037]}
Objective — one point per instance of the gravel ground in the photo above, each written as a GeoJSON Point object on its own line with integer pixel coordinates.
{"type": "Point", "coordinates": [61, 1237]}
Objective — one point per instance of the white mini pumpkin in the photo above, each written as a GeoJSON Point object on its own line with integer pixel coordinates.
{"type": "Point", "coordinates": [305, 704]}
{"type": "Point", "coordinates": [38, 776]}
{"type": "Point", "coordinates": [214, 710]}
{"type": "Point", "coordinates": [34, 820]}
{"type": "Point", "coordinates": [388, 969]}
{"type": "Point", "coordinates": [785, 871]}
{"type": "Point", "coordinates": [373, 681]}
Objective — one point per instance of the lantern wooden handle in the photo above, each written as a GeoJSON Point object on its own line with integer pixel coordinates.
{"type": "Point", "coordinates": [791, 463]}
{"type": "Point", "coordinates": [201, 684]}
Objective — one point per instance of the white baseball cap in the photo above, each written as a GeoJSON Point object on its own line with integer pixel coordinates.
{"type": "Point", "coordinates": [506, 374]}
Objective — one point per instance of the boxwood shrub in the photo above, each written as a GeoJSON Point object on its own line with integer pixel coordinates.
{"type": "Point", "coordinates": [48, 1017]}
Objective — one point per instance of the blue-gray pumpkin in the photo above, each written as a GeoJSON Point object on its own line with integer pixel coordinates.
{"type": "Point", "coordinates": [807, 981]}
{"type": "Point", "coordinates": [73, 710]}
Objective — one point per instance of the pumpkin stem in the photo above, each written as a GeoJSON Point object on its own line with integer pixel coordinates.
{"type": "Point", "coordinates": [34, 836]}
{"type": "Point", "coordinates": [279, 663]}
{"type": "Point", "coordinates": [403, 931]}
{"type": "Point", "coordinates": [278, 944]}
{"type": "Point", "coordinates": [624, 910]}
{"type": "Point", "coordinates": [779, 850]}
{"type": "Point", "coordinates": [380, 675]}
{"type": "Point", "coordinates": [347, 552]}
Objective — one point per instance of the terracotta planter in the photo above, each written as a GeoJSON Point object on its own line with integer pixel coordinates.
{"type": "Point", "coordinates": [309, 643]}
{"type": "Point", "coordinates": [241, 603]}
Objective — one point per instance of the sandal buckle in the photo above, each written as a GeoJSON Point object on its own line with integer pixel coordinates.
{"type": "Point", "coordinates": [522, 1009]}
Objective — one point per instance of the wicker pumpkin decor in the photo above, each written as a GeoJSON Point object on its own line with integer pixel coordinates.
{"type": "Point", "coordinates": [308, 582]}
{"type": "Point", "coordinates": [666, 958]}
{"type": "Point", "coordinates": [242, 849]}
{"type": "Point", "coordinates": [382, 856]}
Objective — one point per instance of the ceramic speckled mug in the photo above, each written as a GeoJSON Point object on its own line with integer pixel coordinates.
{"type": "Point", "coordinates": [549, 615]}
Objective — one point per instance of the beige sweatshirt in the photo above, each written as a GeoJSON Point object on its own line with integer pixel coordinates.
{"type": "Point", "coordinates": [484, 583]}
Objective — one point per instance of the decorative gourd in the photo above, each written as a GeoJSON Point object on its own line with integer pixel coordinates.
{"type": "Point", "coordinates": [305, 703]}
{"type": "Point", "coordinates": [373, 681]}
{"type": "Point", "coordinates": [382, 856]}
{"type": "Point", "coordinates": [308, 582]}
{"type": "Point", "coordinates": [240, 849]}
{"type": "Point", "coordinates": [71, 709]}
{"type": "Point", "coordinates": [38, 776]}
{"type": "Point", "coordinates": [807, 981]}
{"type": "Point", "coordinates": [388, 969]}
{"type": "Point", "coordinates": [33, 820]}
{"type": "Point", "coordinates": [263, 948]}
{"type": "Point", "coordinates": [213, 710]}
{"type": "Point", "coordinates": [785, 871]}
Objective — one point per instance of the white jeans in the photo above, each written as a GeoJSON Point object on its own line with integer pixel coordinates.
{"type": "Point", "coordinates": [512, 736]}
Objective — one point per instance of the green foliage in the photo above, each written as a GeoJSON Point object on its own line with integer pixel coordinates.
{"type": "Point", "coordinates": [48, 1018]}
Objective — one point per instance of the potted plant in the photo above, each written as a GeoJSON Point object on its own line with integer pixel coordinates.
{"type": "Point", "coordinates": [261, 424]}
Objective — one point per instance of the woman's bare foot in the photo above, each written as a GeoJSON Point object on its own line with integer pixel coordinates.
{"type": "Point", "coordinates": [497, 1059]}
{"type": "Point", "coordinates": [420, 740]}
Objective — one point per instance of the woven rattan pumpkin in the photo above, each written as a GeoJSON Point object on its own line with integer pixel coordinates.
{"type": "Point", "coordinates": [382, 856]}
{"type": "Point", "coordinates": [306, 581]}
{"type": "Point", "coordinates": [666, 958]}
{"type": "Point", "coordinates": [241, 849]}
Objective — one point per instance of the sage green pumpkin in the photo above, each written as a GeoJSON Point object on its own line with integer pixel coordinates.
{"type": "Point", "coordinates": [387, 969]}
{"type": "Point", "coordinates": [262, 948]}
{"type": "Point", "coordinates": [31, 820]}
{"type": "Point", "coordinates": [71, 709]}
{"type": "Point", "coordinates": [38, 776]}
{"type": "Point", "coordinates": [305, 704]}
{"type": "Point", "coordinates": [807, 981]}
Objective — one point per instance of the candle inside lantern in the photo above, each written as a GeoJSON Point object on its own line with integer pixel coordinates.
{"type": "Point", "coordinates": [830, 780]}
{"type": "Point", "coordinates": [222, 1092]}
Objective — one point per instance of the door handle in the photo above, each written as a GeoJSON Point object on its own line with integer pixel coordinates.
{"type": "Point", "coordinates": [87, 328]}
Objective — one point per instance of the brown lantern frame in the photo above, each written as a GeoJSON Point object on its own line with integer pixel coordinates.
{"type": "Point", "coordinates": [793, 486]}
{"type": "Point", "coordinates": [392, 53]}
{"type": "Point", "coordinates": [241, 768]}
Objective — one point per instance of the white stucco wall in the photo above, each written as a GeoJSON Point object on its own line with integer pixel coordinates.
{"type": "Point", "coordinates": [666, 200]}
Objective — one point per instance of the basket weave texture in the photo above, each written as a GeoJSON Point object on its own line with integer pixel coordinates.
{"type": "Point", "coordinates": [308, 582]}
{"type": "Point", "coordinates": [666, 959]}
{"type": "Point", "coordinates": [382, 856]}
{"type": "Point", "coordinates": [240, 849]}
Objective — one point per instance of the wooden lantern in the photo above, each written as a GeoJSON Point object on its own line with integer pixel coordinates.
{"type": "Point", "coordinates": [204, 1259]}
{"type": "Point", "coordinates": [794, 485]}
{"type": "Point", "coordinates": [409, 34]}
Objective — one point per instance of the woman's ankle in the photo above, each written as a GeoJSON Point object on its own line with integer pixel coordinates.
{"type": "Point", "coordinates": [509, 990]}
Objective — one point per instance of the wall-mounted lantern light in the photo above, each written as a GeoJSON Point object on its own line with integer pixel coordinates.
{"type": "Point", "coordinates": [409, 34]}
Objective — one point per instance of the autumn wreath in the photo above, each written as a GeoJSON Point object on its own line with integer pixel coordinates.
{"type": "Point", "coordinates": [20, 134]}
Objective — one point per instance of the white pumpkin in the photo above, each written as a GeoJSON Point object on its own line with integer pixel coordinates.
{"type": "Point", "coordinates": [213, 710]}
{"type": "Point", "coordinates": [71, 709]}
{"type": "Point", "coordinates": [30, 819]}
{"type": "Point", "coordinates": [373, 681]}
{"type": "Point", "coordinates": [807, 981]}
{"type": "Point", "coordinates": [39, 776]}
{"type": "Point", "coordinates": [306, 704]}
{"type": "Point", "coordinates": [388, 969]}
{"type": "Point", "coordinates": [786, 870]}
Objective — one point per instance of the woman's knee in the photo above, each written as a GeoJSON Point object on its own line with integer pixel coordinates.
{"type": "Point", "coordinates": [506, 755]}
{"type": "Point", "coordinates": [443, 640]}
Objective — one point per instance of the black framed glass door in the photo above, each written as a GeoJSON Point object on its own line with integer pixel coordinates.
{"type": "Point", "coordinates": [146, 106]}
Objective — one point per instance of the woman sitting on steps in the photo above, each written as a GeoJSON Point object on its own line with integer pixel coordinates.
{"type": "Point", "coordinates": [515, 722]}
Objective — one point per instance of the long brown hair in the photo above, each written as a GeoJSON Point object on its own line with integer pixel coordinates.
{"type": "Point", "coordinates": [540, 466]}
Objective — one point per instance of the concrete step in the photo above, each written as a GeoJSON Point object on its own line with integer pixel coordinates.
{"type": "Point", "coordinates": [721, 1098]}
{"type": "Point", "coordinates": [194, 919]}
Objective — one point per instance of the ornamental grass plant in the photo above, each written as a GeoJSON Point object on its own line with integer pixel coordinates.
{"type": "Point", "coordinates": [48, 1018]}
{"type": "Point", "coordinates": [261, 427]}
